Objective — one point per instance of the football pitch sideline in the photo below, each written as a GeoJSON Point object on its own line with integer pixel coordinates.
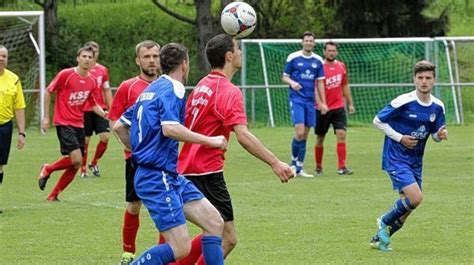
{"type": "Point", "coordinates": [325, 220]}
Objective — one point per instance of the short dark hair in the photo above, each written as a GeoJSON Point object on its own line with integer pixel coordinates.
{"type": "Point", "coordinates": [171, 56]}
{"type": "Point", "coordinates": [308, 33]}
{"type": "Point", "coordinates": [424, 66]}
{"type": "Point", "coordinates": [329, 43]}
{"type": "Point", "coordinates": [93, 44]}
{"type": "Point", "coordinates": [216, 49]}
{"type": "Point", "coordinates": [87, 49]}
{"type": "Point", "coordinates": [147, 44]}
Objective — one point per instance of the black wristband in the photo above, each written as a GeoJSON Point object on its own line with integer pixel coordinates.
{"type": "Point", "coordinates": [22, 134]}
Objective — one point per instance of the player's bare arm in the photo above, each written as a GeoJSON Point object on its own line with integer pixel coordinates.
{"type": "Point", "coordinates": [441, 134]}
{"type": "Point", "coordinates": [46, 105]}
{"type": "Point", "coordinates": [122, 133]}
{"type": "Point", "coordinates": [321, 96]}
{"type": "Point", "coordinates": [20, 121]}
{"type": "Point", "coordinates": [346, 91]}
{"type": "Point", "coordinates": [293, 84]}
{"type": "Point", "coordinates": [183, 134]}
{"type": "Point", "coordinates": [251, 143]}
{"type": "Point", "coordinates": [99, 111]}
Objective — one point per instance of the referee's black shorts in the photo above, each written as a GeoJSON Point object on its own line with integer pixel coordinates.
{"type": "Point", "coordinates": [336, 117]}
{"type": "Point", "coordinates": [70, 139]}
{"type": "Point", "coordinates": [130, 169]}
{"type": "Point", "coordinates": [6, 131]}
{"type": "Point", "coordinates": [93, 123]}
{"type": "Point", "coordinates": [214, 188]}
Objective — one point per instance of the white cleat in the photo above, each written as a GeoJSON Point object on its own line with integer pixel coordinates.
{"type": "Point", "coordinates": [303, 174]}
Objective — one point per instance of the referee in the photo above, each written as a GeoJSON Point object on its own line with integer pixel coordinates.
{"type": "Point", "coordinates": [12, 104]}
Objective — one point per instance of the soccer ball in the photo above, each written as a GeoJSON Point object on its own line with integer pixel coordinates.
{"type": "Point", "coordinates": [238, 19]}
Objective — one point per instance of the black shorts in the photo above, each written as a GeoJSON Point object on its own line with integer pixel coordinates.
{"type": "Point", "coordinates": [70, 139]}
{"type": "Point", "coordinates": [336, 117]}
{"type": "Point", "coordinates": [6, 131]}
{"type": "Point", "coordinates": [213, 186]}
{"type": "Point", "coordinates": [94, 123]}
{"type": "Point", "coordinates": [130, 169]}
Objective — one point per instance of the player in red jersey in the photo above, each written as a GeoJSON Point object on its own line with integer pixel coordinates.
{"type": "Point", "coordinates": [148, 60]}
{"type": "Point", "coordinates": [337, 88]}
{"type": "Point", "coordinates": [216, 107]}
{"type": "Point", "coordinates": [92, 121]}
{"type": "Point", "coordinates": [73, 86]}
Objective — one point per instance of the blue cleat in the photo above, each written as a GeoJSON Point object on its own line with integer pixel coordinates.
{"type": "Point", "coordinates": [383, 235]}
{"type": "Point", "coordinates": [375, 244]}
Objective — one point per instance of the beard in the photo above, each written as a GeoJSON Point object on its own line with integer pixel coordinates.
{"type": "Point", "coordinates": [149, 72]}
{"type": "Point", "coordinates": [329, 59]}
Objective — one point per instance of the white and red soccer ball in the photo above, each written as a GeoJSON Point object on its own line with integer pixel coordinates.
{"type": "Point", "coordinates": [238, 19]}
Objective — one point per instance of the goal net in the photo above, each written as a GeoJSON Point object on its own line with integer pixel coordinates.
{"type": "Point", "coordinates": [22, 34]}
{"type": "Point", "coordinates": [378, 70]}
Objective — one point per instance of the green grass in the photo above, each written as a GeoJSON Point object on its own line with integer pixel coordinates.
{"type": "Point", "coordinates": [326, 220]}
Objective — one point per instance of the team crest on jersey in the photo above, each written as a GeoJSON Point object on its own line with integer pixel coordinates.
{"type": "Point", "coordinates": [314, 65]}
{"type": "Point", "coordinates": [432, 117]}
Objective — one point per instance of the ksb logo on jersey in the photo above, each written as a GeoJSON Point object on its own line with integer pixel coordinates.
{"type": "Point", "coordinates": [420, 133]}
{"type": "Point", "coordinates": [334, 81]}
{"type": "Point", "coordinates": [307, 75]}
{"type": "Point", "coordinates": [78, 98]}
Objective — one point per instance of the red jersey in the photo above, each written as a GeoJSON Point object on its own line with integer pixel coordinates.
{"type": "Point", "coordinates": [126, 95]}
{"type": "Point", "coordinates": [213, 108]}
{"type": "Point", "coordinates": [73, 91]}
{"type": "Point", "coordinates": [336, 79]}
{"type": "Point", "coordinates": [101, 74]}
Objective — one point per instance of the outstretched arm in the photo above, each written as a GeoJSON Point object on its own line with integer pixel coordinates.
{"type": "Point", "coordinates": [183, 134]}
{"type": "Point", "coordinates": [251, 143]}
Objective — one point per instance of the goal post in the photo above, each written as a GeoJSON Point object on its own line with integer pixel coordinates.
{"type": "Point", "coordinates": [379, 69]}
{"type": "Point", "coordinates": [23, 33]}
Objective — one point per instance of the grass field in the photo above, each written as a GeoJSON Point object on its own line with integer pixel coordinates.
{"type": "Point", "coordinates": [326, 220]}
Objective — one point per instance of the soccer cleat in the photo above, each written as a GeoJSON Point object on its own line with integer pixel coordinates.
{"type": "Point", "coordinates": [53, 199]}
{"type": "Point", "coordinates": [127, 258]}
{"type": "Point", "coordinates": [95, 170]}
{"type": "Point", "coordinates": [383, 234]}
{"type": "Point", "coordinates": [318, 171]}
{"type": "Point", "coordinates": [303, 174]}
{"type": "Point", "coordinates": [84, 175]}
{"type": "Point", "coordinates": [43, 177]}
{"type": "Point", "coordinates": [345, 171]}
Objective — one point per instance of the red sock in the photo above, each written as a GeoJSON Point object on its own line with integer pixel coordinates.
{"type": "Point", "coordinates": [99, 152]}
{"type": "Point", "coordinates": [129, 231]}
{"type": "Point", "coordinates": [318, 156]}
{"type": "Point", "coordinates": [341, 155]}
{"type": "Point", "coordinates": [63, 182]}
{"type": "Point", "coordinates": [60, 164]}
{"type": "Point", "coordinates": [201, 261]}
{"type": "Point", "coordinates": [84, 158]}
{"type": "Point", "coordinates": [194, 255]}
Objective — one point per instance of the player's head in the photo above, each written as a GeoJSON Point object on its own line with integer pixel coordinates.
{"type": "Point", "coordinates": [85, 57]}
{"type": "Point", "coordinates": [424, 76]}
{"type": "Point", "coordinates": [95, 46]}
{"type": "Point", "coordinates": [148, 57]}
{"type": "Point", "coordinates": [330, 51]}
{"type": "Point", "coordinates": [308, 41]}
{"type": "Point", "coordinates": [3, 58]}
{"type": "Point", "coordinates": [223, 49]}
{"type": "Point", "coordinates": [174, 58]}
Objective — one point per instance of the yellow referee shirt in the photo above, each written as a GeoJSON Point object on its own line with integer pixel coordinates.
{"type": "Point", "coordinates": [11, 96]}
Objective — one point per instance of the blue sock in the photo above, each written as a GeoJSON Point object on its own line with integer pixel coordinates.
{"type": "Point", "coordinates": [212, 250]}
{"type": "Point", "coordinates": [302, 151]}
{"type": "Point", "coordinates": [396, 225]}
{"type": "Point", "coordinates": [157, 255]}
{"type": "Point", "coordinates": [401, 207]}
{"type": "Point", "coordinates": [295, 149]}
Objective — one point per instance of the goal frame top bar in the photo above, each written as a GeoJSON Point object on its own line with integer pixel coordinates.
{"type": "Point", "coordinates": [21, 13]}
{"type": "Point", "coordinates": [363, 40]}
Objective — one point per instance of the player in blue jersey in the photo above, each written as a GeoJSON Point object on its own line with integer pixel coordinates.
{"type": "Point", "coordinates": [155, 123]}
{"type": "Point", "coordinates": [407, 122]}
{"type": "Point", "coordinates": [304, 73]}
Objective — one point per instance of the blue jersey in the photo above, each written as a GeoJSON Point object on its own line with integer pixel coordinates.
{"type": "Point", "coordinates": [162, 102]}
{"type": "Point", "coordinates": [409, 116]}
{"type": "Point", "coordinates": [305, 70]}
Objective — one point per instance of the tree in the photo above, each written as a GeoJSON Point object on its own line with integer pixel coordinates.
{"type": "Point", "coordinates": [388, 18]}
{"type": "Point", "coordinates": [205, 23]}
{"type": "Point", "coordinates": [50, 8]}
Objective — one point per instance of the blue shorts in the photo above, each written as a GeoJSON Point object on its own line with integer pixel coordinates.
{"type": "Point", "coordinates": [403, 175]}
{"type": "Point", "coordinates": [303, 113]}
{"type": "Point", "coordinates": [164, 195]}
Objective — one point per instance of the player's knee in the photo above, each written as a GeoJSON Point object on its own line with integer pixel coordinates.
{"type": "Point", "coordinates": [215, 224]}
{"type": "Point", "coordinates": [416, 200]}
{"type": "Point", "coordinates": [76, 162]}
{"type": "Point", "coordinates": [133, 207]}
{"type": "Point", "coordinates": [181, 249]}
{"type": "Point", "coordinates": [341, 135]}
{"type": "Point", "coordinates": [230, 241]}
